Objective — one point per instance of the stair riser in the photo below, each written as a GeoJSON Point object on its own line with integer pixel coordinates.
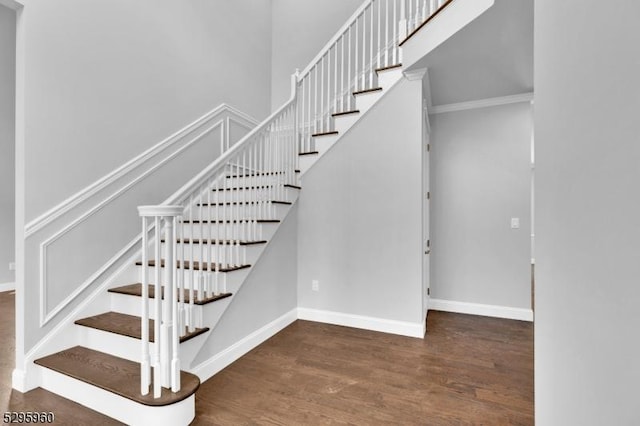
{"type": "Point", "coordinates": [283, 194]}
{"type": "Point", "coordinates": [241, 210]}
{"type": "Point", "coordinates": [386, 79]}
{"type": "Point", "coordinates": [366, 100]}
{"type": "Point", "coordinates": [264, 231]}
{"type": "Point", "coordinates": [131, 348]}
{"type": "Point", "coordinates": [323, 143]}
{"type": "Point", "coordinates": [344, 122]}
{"type": "Point", "coordinates": [234, 278]}
{"type": "Point", "coordinates": [213, 251]}
{"type": "Point", "coordinates": [306, 161]}
{"type": "Point", "coordinates": [242, 181]}
{"type": "Point", "coordinates": [115, 406]}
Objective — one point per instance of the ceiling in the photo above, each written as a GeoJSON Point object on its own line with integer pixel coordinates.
{"type": "Point", "coordinates": [491, 57]}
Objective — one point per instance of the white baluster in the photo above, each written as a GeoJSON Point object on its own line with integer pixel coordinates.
{"type": "Point", "coordinates": [157, 365]}
{"type": "Point", "coordinates": [145, 365]}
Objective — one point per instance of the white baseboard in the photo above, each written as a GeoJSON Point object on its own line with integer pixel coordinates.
{"type": "Point", "coordinates": [7, 287]}
{"type": "Point", "coordinates": [402, 328]}
{"type": "Point", "coordinates": [221, 360]}
{"type": "Point", "coordinates": [479, 309]}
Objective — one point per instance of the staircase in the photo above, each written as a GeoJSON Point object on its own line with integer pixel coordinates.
{"type": "Point", "coordinates": [132, 361]}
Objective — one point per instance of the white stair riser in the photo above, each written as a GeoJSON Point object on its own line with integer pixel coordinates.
{"type": "Point", "coordinates": [115, 406]}
{"type": "Point", "coordinates": [344, 122]}
{"type": "Point", "coordinates": [306, 161]}
{"type": "Point", "coordinates": [283, 194]}
{"type": "Point", "coordinates": [233, 279]}
{"type": "Point", "coordinates": [386, 79]}
{"type": "Point", "coordinates": [263, 231]}
{"type": "Point", "coordinates": [323, 143]}
{"type": "Point", "coordinates": [242, 181]}
{"type": "Point", "coordinates": [131, 348]}
{"type": "Point", "coordinates": [367, 100]}
{"type": "Point", "coordinates": [233, 210]}
{"type": "Point", "coordinates": [212, 251]}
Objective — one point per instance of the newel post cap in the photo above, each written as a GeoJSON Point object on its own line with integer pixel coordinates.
{"type": "Point", "coordinates": [160, 211]}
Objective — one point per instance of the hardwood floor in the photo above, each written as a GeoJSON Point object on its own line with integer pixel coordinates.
{"type": "Point", "coordinates": [469, 370]}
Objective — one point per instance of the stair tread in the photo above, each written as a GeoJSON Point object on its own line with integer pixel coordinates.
{"type": "Point", "coordinates": [387, 68]}
{"type": "Point", "coordinates": [116, 375]}
{"type": "Point", "coordinates": [338, 114]}
{"type": "Point", "coordinates": [315, 135]}
{"type": "Point", "coordinates": [233, 221]}
{"type": "Point", "coordinates": [361, 92]}
{"type": "Point", "coordinates": [196, 266]}
{"type": "Point", "coordinates": [128, 325]}
{"type": "Point", "coordinates": [223, 242]}
{"type": "Point", "coordinates": [309, 153]}
{"type": "Point", "coordinates": [235, 203]}
{"type": "Point", "coordinates": [136, 290]}
{"type": "Point", "coordinates": [256, 174]}
{"type": "Point", "coordinates": [254, 187]}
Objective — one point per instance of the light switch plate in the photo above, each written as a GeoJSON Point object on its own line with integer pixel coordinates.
{"type": "Point", "coordinates": [515, 223]}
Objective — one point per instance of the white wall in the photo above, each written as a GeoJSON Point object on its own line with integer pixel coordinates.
{"type": "Point", "coordinates": [480, 179]}
{"type": "Point", "coordinates": [360, 216]}
{"type": "Point", "coordinates": [107, 79]}
{"type": "Point", "coordinates": [587, 350]}
{"type": "Point", "coordinates": [7, 141]}
{"type": "Point", "coordinates": [301, 28]}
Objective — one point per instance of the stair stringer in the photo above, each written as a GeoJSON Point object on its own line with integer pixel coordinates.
{"type": "Point", "coordinates": [266, 302]}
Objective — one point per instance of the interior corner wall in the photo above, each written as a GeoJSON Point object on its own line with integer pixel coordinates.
{"type": "Point", "coordinates": [105, 80]}
{"type": "Point", "coordinates": [7, 142]}
{"type": "Point", "coordinates": [587, 102]}
{"type": "Point", "coordinates": [360, 216]}
{"type": "Point", "coordinates": [481, 178]}
{"type": "Point", "coordinates": [301, 28]}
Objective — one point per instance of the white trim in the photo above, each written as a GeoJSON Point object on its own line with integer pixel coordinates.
{"type": "Point", "coordinates": [403, 328]}
{"type": "Point", "coordinates": [482, 103]}
{"type": "Point", "coordinates": [11, 4]}
{"type": "Point", "coordinates": [91, 190]}
{"type": "Point", "coordinates": [417, 74]}
{"type": "Point", "coordinates": [496, 311]}
{"type": "Point", "coordinates": [222, 359]}
{"type": "Point", "coordinates": [7, 287]}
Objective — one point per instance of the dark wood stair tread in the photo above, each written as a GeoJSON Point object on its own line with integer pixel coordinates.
{"type": "Point", "coordinates": [256, 174]}
{"type": "Point", "coordinates": [222, 242]}
{"type": "Point", "coordinates": [196, 266]}
{"type": "Point", "coordinates": [339, 114]}
{"type": "Point", "coordinates": [116, 375]}
{"type": "Point", "coordinates": [235, 203]}
{"type": "Point", "coordinates": [309, 153]}
{"type": "Point", "coordinates": [292, 186]}
{"type": "Point", "coordinates": [362, 92]}
{"type": "Point", "coordinates": [128, 325]}
{"type": "Point", "coordinates": [388, 68]}
{"type": "Point", "coordinates": [136, 290]}
{"type": "Point", "coordinates": [233, 221]}
{"type": "Point", "coordinates": [315, 135]}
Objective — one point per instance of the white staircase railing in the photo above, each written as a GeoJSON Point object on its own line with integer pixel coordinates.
{"type": "Point", "coordinates": [369, 41]}
{"type": "Point", "coordinates": [204, 226]}
{"type": "Point", "coordinates": [205, 221]}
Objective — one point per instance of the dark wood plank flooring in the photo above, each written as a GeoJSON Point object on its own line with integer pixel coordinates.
{"type": "Point", "coordinates": [469, 370]}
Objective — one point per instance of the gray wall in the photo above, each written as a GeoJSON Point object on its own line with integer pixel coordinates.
{"type": "Point", "coordinates": [360, 216]}
{"type": "Point", "coordinates": [268, 293]}
{"type": "Point", "coordinates": [7, 141]}
{"type": "Point", "coordinates": [587, 352]}
{"type": "Point", "coordinates": [301, 28]}
{"type": "Point", "coordinates": [107, 79]}
{"type": "Point", "coordinates": [480, 179]}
